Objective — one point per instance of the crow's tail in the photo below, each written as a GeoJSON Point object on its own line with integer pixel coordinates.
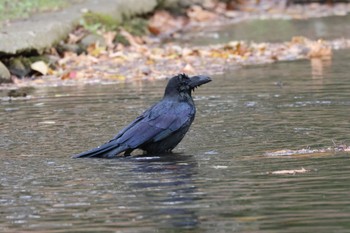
{"type": "Point", "coordinates": [108, 150]}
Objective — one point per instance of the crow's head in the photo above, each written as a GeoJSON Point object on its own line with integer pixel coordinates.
{"type": "Point", "coordinates": [182, 84]}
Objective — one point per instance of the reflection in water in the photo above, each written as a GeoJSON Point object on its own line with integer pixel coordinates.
{"type": "Point", "coordinates": [318, 65]}
{"type": "Point", "coordinates": [166, 185]}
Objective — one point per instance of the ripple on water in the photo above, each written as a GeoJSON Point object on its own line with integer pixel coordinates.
{"type": "Point", "coordinates": [219, 179]}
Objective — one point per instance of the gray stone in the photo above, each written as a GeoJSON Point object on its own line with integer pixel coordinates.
{"type": "Point", "coordinates": [5, 76]}
{"type": "Point", "coordinates": [19, 66]}
{"type": "Point", "coordinates": [20, 92]}
{"type": "Point", "coordinates": [36, 34]}
{"type": "Point", "coordinates": [92, 39]}
{"type": "Point", "coordinates": [44, 30]}
{"type": "Point", "coordinates": [75, 48]}
{"type": "Point", "coordinates": [179, 3]}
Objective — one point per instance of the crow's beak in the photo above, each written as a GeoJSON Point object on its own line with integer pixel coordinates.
{"type": "Point", "coordinates": [198, 80]}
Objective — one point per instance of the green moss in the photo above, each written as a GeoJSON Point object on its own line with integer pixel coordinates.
{"type": "Point", "coordinates": [38, 58]}
{"type": "Point", "coordinates": [121, 39]}
{"type": "Point", "coordinates": [97, 21]}
{"type": "Point", "coordinates": [14, 9]}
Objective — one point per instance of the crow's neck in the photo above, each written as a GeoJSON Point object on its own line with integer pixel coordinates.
{"type": "Point", "coordinates": [180, 97]}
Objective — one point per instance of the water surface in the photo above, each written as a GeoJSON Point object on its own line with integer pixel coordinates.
{"type": "Point", "coordinates": [219, 178]}
{"type": "Point", "coordinates": [271, 30]}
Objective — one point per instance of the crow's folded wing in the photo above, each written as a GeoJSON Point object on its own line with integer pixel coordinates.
{"type": "Point", "coordinates": [155, 124]}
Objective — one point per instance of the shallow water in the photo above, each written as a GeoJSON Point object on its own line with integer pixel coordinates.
{"type": "Point", "coordinates": [218, 180]}
{"type": "Point", "coordinates": [271, 30]}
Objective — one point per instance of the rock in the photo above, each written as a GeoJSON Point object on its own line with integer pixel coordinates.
{"type": "Point", "coordinates": [20, 92]}
{"type": "Point", "coordinates": [75, 48]}
{"type": "Point", "coordinates": [93, 39]}
{"type": "Point", "coordinates": [44, 30]}
{"type": "Point", "coordinates": [145, 70]}
{"type": "Point", "coordinates": [172, 4]}
{"type": "Point", "coordinates": [5, 76]}
{"type": "Point", "coordinates": [19, 66]}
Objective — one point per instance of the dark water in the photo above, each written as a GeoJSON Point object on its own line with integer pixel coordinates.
{"type": "Point", "coordinates": [219, 178]}
{"type": "Point", "coordinates": [272, 30]}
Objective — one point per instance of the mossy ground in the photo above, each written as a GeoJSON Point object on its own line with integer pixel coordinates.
{"type": "Point", "coordinates": [97, 22]}
{"type": "Point", "coordinates": [14, 9]}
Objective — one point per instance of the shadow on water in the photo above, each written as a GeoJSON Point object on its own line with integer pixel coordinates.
{"type": "Point", "coordinates": [218, 180]}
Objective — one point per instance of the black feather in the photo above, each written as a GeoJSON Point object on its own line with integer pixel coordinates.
{"type": "Point", "coordinates": [161, 127]}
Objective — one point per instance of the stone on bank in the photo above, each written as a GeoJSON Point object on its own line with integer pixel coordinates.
{"type": "Point", "coordinates": [5, 76]}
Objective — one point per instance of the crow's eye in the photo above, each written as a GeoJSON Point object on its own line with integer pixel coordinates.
{"type": "Point", "coordinates": [183, 79]}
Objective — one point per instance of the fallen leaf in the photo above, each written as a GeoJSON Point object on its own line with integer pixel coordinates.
{"type": "Point", "coordinates": [298, 40]}
{"type": "Point", "coordinates": [162, 22]}
{"type": "Point", "coordinates": [70, 75]}
{"type": "Point", "coordinates": [319, 49]}
{"type": "Point", "coordinates": [109, 37]}
{"type": "Point", "coordinates": [132, 39]}
{"type": "Point", "coordinates": [73, 39]}
{"type": "Point", "coordinates": [197, 13]}
{"type": "Point", "coordinates": [117, 77]}
{"type": "Point", "coordinates": [186, 52]}
{"type": "Point", "coordinates": [95, 49]}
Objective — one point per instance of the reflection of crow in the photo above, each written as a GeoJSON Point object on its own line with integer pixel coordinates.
{"type": "Point", "coordinates": [167, 190]}
{"type": "Point", "coordinates": [161, 127]}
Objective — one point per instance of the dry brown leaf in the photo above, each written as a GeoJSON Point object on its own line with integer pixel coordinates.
{"type": "Point", "coordinates": [117, 77]}
{"type": "Point", "coordinates": [320, 50]}
{"type": "Point", "coordinates": [197, 13]}
{"type": "Point", "coordinates": [162, 22]}
{"type": "Point", "coordinates": [73, 39]}
{"type": "Point", "coordinates": [95, 49]}
{"type": "Point", "coordinates": [51, 71]}
{"type": "Point", "coordinates": [132, 39]}
{"type": "Point", "coordinates": [190, 52]}
{"type": "Point", "coordinates": [109, 37]}
{"type": "Point", "coordinates": [298, 40]}
{"type": "Point", "coordinates": [119, 55]}
{"type": "Point", "coordinates": [69, 75]}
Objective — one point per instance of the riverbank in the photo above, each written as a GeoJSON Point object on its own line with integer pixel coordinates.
{"type": "Point", "coordinates": [156, 55]}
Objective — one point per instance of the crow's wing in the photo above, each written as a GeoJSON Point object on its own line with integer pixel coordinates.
{"type": "Point", "coordinates": [155, 124]}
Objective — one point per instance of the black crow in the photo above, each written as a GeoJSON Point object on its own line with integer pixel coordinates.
{"type": "Point", "coordinates": [160, 128]}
